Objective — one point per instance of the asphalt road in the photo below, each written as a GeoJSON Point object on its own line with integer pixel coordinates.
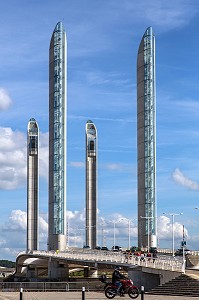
{"type": "Point", "coordinates": [78, 295]}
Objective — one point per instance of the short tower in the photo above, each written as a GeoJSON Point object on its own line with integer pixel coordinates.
{"type": "Point", "coordinates": [32, 184]}
{"type": "Point", "coordinates": [91, 184]}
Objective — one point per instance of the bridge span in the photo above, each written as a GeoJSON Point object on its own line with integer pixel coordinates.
{"type": "Point", "coordinates": [54, 264]}
{"type": "Point", "coordinates": [57, 266]}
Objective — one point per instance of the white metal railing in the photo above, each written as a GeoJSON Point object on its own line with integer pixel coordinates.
{"type": "Point", "coordinates": [161, 262]}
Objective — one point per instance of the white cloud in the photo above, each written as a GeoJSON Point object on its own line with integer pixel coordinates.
{"type": "Point", "coordinates": [11, 140]}
{"type": "Point", "coordinates": [13, 158]}
{"type": "Point", "coordinates": [43, 154]}
{"type": "Point", "coordinates": [17, 221]}
{"type": "Point", "coordinates": [77, 164]}
{"type": "Point", "coordinates": [114, 167]}
{"type": "Point", "coordinates": [14, 230]}
{"type": "Point", "coordinates": [78, 117]}
{"type": "Point", "coordinates": [5, 100]}
{"type": "Point", "coordinates": [13, 234]}
{"type": "Point", "coordinates": [181, 179]}
{"type": "Point", "coordinates": [165, 228]}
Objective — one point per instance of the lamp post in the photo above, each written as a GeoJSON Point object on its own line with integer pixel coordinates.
{"type": "Point", "coordinates": [82, 234]}
{"type": "Point", "coordinates": [173, 215]}
{"type": "Point", "coordinates": [114, 222]}
{"type": "Point", "coordinates": [114, 235]}
{"type": "Point", "coordinates": [129, 230]}
{"type": "Point", "coordinates": [67, 234]}
{"type": "Point", "coordinates": [102, 224]}
{"type": "Point", "coordinates": [148, 218]}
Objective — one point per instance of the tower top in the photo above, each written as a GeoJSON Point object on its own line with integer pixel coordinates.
{"type": "Point", "coordinates": [149, 31]}
{"type": "Point", "coordinates": [59, 26]}
{"type": "Point", "coordinates": [33, 126]}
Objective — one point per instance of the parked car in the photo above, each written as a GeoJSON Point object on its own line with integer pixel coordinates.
{"type": "Point", "coordinates": [104, 248]}
{"type": "Point", "coordinates": [117, 248]}
{"type": "Point", "coordinates": [134, 249]}
{"type": "Point", "coordinates": [97, 248]}
{"type": "Point", "coordinates": [153, 250]}
{"type": "Point", "coordinates": [179, 252]}
{"type": "Point", "coordinates": [86, 247]}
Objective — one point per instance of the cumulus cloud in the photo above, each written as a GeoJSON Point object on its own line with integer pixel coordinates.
{"type": "Point", "coordinates": [5, 100]}
{"type": "Point", "coordinates": [165, 228]}
{"type": "Point", "coordinates": [13, 234]}
{"type": "Point", "coordinates": [17, 221]}
{"type": "Point", "coordinates": [13, 158]}
{"type": "Point", "coordinates": [181, 179]}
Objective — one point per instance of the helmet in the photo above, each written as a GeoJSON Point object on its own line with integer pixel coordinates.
{"type": "Point", "coordinates": [118, 268]}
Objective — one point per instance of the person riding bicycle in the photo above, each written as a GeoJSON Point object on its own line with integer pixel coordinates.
{"type": "Point", "coordinates": [116, 276]}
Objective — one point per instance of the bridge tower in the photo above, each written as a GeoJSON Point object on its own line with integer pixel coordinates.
{"type": "Point", "coordinates": [32, 184]}
{"type": "Point", "coordinates": [146, 141]}
{"type": "Point", "coordinates": [91, 184]}
{"type": "Point", "coordinates": [57, 139]}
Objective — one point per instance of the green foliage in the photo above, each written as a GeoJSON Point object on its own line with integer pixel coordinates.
{"type": "Point", "coordinates": [77, 274]}
{"type": "Point", "coordinates": [7, 263]}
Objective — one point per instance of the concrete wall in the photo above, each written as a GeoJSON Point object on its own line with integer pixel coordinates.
{"type": "Point", "coordinates": [150, 278]}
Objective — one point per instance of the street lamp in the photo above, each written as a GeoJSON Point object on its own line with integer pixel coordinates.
{"type": "Point", "coordinates": [148, 218]}
{"type": "Point", "coordinates": [129, 230]}
{"type": "Point", "coordinates": [82, 234]}
{"type": "Point", "coordinates": [173, 215]}
{"type": "Point", "coordinates": [114, 222]}
{"type": "Point", "coordinates": [114, 234]}
{"type": "Point", "coordinates": [102, 224]}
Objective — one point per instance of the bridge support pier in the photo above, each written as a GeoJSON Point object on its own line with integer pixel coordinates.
{"type": "Point", "coordinates": [90, 272]}
{"type": "Point", "coordinates": [57, 270]}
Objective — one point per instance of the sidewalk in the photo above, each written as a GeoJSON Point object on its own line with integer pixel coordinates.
{"type": "Point", "coordinates": [78, 296]}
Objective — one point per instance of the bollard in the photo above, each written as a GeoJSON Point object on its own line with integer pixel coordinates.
{"type": "Point", "coordinates": [142, 292]}
{"type": "Point", "coordinates": [83, 293]}
{"type": "Point", "coordinates": [21, 293]}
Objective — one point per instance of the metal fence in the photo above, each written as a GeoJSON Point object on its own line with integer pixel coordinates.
{"type": "Point", "coordinates": [51, 286]}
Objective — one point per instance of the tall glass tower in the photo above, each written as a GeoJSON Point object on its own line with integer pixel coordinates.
{"type": "Point", "coordinates": [91, 184]}
{"type": "Point", "coordinates": [32, 184]}
{"type": "Point", "coordinates": [57, 139]}
{"type": "Point", "coordinates": [146, 141]}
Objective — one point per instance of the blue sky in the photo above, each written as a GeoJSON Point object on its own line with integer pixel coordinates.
{"type": "Point", "coordinates": [103, 39]}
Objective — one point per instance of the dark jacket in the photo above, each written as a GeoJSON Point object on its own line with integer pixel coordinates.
{"type": "Point", "coordinates": [117, 276]}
